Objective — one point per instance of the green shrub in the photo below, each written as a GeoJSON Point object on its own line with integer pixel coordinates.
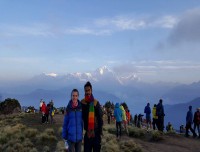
{"type": "Point", "coordinates": [130, 146]}
{"type": "Point", "coordinates": [8, 106]}
{"type": "Point", "coordinates": [156, 136]}
{"type": "Point", "coordinates": [30, 132]}
{"type": "Point", "coordinates": [33, 150]}
{"type": "Point", "coordinates": [60, 147]}
{"type": "Point", "coordinates": [109, 143]}
{"type": "Point", "coordinates": [136, 132]}
{"type": "Point", "coordinates": [46, 149]}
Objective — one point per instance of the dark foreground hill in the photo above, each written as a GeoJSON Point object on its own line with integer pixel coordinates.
{"type": "Point", "coordinates": [24, 132]}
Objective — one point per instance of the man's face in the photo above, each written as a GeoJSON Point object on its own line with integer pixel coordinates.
{"type": "Point", "coordinates": [88, 91]}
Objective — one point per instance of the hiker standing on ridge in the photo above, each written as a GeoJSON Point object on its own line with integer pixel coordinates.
{"type": "Point", "coordinates": [43, 110]}
{"type": "Point", "coordinates": [118, 117]}
{"type": "Point", "coordinates": [197, 121]}
{"type": "Point", "coordinates": [189, 121]}
{"type": "Point", "coordinates": [73, 124]}
{"type": "Point", "coordinates": [135, 120]}
{"type": "Point", "coordinates": [155, 117]}
{"type": "Point", "coordinates": [51, 113]}
{"type": "Point", "coordinates": [93, 122]}
{"type": "Point", "coordinates": [128, 116]}
{"type": "Point", "coordinates": [160, 113]}
{"type": "Point", "coordinates": [47, 113]}
{"type": "Point", "coordinates": [124, 119]}
{"type": "Point", "coordinates": [147, 110]}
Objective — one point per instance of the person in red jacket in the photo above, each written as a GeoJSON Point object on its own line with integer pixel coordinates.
{"type": "Point", "coordinates": [43, 109]}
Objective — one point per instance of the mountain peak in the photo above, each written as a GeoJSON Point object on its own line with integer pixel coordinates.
{"type": "Point", "coordinates": [51, 74]}
{"type": "Point", "coordinates": [102, 70]}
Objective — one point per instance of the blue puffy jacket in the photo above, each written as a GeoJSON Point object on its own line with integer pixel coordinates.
{"type": "Point", "coordinates": [118, 113]}
{"type": "Point", "coordinates": [73, 124]}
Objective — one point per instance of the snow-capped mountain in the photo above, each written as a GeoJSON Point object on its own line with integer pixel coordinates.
{"type": "Point", "coordinates": [107, 86]}
{"type": "Point", "coordinates": [102, 74]}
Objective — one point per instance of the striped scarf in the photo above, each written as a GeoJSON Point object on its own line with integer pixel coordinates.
{"type": "Point", "coordinates": [90, 131]}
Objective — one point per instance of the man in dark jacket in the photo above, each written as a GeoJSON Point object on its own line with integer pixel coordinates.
{"type": "Point", "coordinates": [147, 111]}
{"type": "Point", "coordinates": [189, 121]}
{"type": "Point", "coordinates": [93, 122]}
{"type": "Point", "coordinates": [160, 113]}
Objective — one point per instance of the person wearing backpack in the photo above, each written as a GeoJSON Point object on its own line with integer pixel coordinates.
{"type": "Point", "coordinates": [196, 121]}
{"type": "Point", "coordinates": [73, 124]}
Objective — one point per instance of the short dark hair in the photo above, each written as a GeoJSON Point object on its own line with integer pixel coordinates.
{"type": "Point", "coordinates": [75, 90]}
{"type": "Point", "coordinates": [88, 84]}
{"type": "Point", "coordinates": [160, 101]}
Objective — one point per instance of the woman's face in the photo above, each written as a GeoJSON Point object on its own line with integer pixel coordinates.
{"type": "Point", "coordinates": [74, 96]}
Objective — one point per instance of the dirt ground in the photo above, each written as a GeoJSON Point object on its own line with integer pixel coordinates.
{"type": "Point", "coordinates": [171, 144]}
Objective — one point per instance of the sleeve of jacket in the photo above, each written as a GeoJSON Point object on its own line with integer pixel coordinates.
{"type": "Point", "coordinates": [65, 126]}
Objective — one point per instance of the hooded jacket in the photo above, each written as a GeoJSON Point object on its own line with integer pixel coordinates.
{"type": "Point", "coordinates": [118, 113]}
{"type": "Point", "coordinates": [123, 113]}
{"type": "Point", "coordinates": [73, 124]}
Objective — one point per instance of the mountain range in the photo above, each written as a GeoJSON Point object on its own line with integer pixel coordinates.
{"type": "Point", "coordinates": [107, 86]}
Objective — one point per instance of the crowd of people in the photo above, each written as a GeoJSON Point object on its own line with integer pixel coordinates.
{"type": "Point", "coordinates": [157, 121]}
{"type": "Point", "coordinates": [87, 114]}
{"type": "Point", "coordinates": [47, 111]}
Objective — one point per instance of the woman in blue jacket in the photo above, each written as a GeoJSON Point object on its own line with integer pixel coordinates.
{"type": "Point", "coordinates": [73, 125]}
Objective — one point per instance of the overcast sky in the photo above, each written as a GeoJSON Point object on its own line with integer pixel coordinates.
{"type": "Point", "coordinates": [156, 40]}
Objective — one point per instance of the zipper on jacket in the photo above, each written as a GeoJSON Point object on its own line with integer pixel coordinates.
{"type": "Point", "coordinates": [76, 125]}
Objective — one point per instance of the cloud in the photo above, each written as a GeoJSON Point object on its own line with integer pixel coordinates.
{"type": "Point", "coordinates": [97, 27]}
{"type": "Point", "coordinates": [149, 67]}
{"type": "Point", "coordinates": [187, 29]}
{"type": "Point", "coordinates": [87, 31]}
{"type": "Point", "coordinates": [35, 29]}
{"type": "Point", "coordinates": [137, 23]}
